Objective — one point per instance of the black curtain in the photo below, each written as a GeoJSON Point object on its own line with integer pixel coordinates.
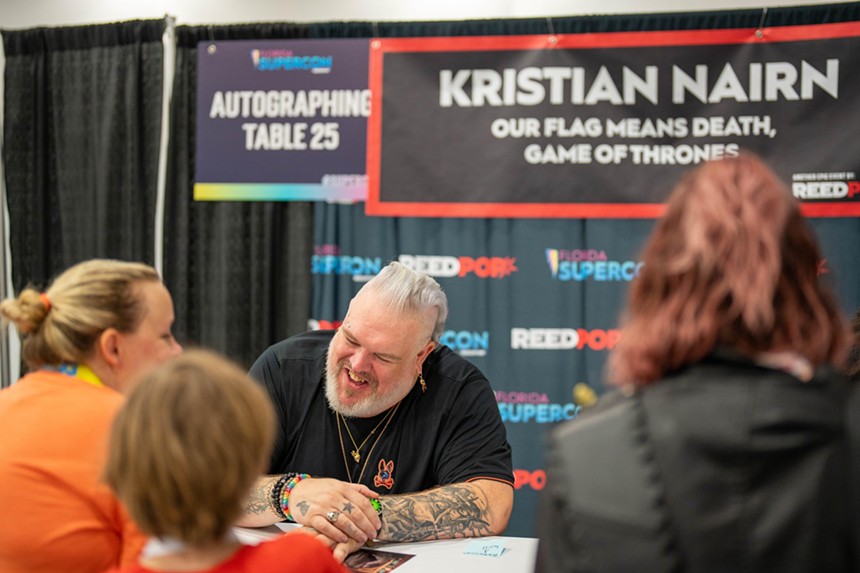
{"type": "Point", "coordinates": [819, 14]}
{"type": "Point", "coordinates": [80, 144]}
{"type": "Point", "coordinates": [239, 272]}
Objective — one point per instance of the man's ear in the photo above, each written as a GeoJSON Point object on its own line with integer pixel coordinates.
{"type": "Point", "coordinates": [425, 352]}
{"type": "Point", "coordinates": [108, 344]}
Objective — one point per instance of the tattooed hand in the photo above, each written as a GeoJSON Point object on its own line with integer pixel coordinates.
{"type": "Point", "coordinates": [339, 510]}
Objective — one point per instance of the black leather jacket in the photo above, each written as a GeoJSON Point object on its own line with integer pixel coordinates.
{"type": "Point", "coordinates": [725, 466]}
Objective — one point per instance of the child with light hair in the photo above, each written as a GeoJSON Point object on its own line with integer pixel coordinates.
{"type": "Point", "coordinates": [184, 452]}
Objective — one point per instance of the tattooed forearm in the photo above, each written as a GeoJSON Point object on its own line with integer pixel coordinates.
{"type": "Point", "coordinates": [458, 510]}
{"type": "Point", "coordinates": [257, 502]}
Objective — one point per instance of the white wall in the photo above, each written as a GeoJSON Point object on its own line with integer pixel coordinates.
{"type": "Point", "coordinates": [16, 14]}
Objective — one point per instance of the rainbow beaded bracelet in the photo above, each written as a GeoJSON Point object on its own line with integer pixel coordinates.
{"type": "Point", "coordinates": [285, 494]}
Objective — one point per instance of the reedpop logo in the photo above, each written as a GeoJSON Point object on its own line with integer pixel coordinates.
{"type": "Point", "coordinates": [822, 186]}
{"type": "Point", "coordinates": [447, 266]}
{"type": "Point", "coordinates": [563, 338]}
{"type": "Point", "coordinates": [319, 324]}
{"type": "Point", "coordinates": [534, 479]}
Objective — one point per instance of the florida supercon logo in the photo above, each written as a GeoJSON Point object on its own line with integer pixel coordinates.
{"type": "Point", "coordinates": [328, 260]}
{"type": "Point", "coordinates": [533, 407]}
{"type": "Point", "coordinates": [466, 342]}
{"type": "Point", "coordinates": [589, 264]}
{"type": "Point", "coordinates": [286, 60]}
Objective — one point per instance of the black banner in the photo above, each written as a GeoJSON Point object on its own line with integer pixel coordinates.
{"type": "Point", "coordinates": [602, 125]}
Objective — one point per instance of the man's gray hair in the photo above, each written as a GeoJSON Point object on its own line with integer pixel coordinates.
{"type": "Point", "coordinates": [406, 290]}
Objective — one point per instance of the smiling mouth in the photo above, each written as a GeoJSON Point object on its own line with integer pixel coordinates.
{"type": "Point", "coordinates": [355, 377]}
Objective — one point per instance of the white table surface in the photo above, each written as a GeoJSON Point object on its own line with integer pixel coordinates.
{"type": "Point", "coordinates": [445, 556]}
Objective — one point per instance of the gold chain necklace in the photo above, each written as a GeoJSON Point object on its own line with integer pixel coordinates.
{"type": "Point", "coordinates": [387, 419]}
{"type": "Point", "coordinates": [356, 453]}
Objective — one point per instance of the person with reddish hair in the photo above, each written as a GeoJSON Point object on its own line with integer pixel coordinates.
{"type": "Point", "coordinates": [728, 446]}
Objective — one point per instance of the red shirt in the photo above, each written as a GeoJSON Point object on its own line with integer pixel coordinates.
{"type": "Point", "coordinates": [292, 553]}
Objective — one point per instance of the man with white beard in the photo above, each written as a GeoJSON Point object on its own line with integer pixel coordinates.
{"type": "Point", "coordinates": [383, 432]}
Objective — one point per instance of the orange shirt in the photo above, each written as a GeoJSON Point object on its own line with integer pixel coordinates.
{"type": "Point", "coordinates": [56, 515]}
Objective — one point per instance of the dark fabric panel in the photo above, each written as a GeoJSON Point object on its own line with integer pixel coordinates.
{"type": "Point", "coordinates": [189, 36]}
{"type": "Point", "coordinates": [81, 138]}
{"type": "Point", "coordinates": [238, 272]}
{"type": "Point", "coordinates": [36, 40]}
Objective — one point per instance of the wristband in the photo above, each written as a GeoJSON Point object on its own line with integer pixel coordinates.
{"type": "Point", "coordinates": [275, 495]}
{"type": "Point", "coordinates": [285, 494]}
{"type": "Point", "coordinates": [377, 505]}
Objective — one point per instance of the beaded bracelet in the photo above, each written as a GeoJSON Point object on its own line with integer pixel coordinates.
{"type": "Point", "coordinates": [285, 494]}
{"type": "Point", "coordinates": [275, 495]}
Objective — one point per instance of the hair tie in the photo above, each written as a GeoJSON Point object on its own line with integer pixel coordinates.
{"type": "Point", "coordinates": [45, 301]}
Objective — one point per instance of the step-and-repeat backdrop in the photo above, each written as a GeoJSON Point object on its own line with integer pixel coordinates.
{"type": "Point", "coordinates": [524, 173]}
{"type": "Point", "coordinates": [533, 303]}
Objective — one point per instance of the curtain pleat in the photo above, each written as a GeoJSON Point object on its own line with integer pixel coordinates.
{"type": "Point", "coordinates": [238, 272]}
{"type": "Point", "coordinates": [81, 132]}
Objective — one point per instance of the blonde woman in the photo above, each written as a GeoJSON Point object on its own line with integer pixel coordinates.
{"type": "Point", "coordinates": [86, 340]}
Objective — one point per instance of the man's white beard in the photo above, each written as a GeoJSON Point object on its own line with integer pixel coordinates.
{"type": "Point", "coordinates": [367, 407]}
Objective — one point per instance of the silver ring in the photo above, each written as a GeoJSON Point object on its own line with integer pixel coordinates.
{"type": "Point", "coordinates": [332, 516]}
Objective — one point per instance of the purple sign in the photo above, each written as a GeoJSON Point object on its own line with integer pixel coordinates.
{"type": "Point", "coordinates": [282, 120]}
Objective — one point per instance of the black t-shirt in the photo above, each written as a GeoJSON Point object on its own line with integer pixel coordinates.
{"type": "Point", "coordinates": [450, 434]}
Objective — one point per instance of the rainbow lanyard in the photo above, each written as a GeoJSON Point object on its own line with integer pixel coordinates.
{"type": "Point", "coordinates": [79, 371]}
